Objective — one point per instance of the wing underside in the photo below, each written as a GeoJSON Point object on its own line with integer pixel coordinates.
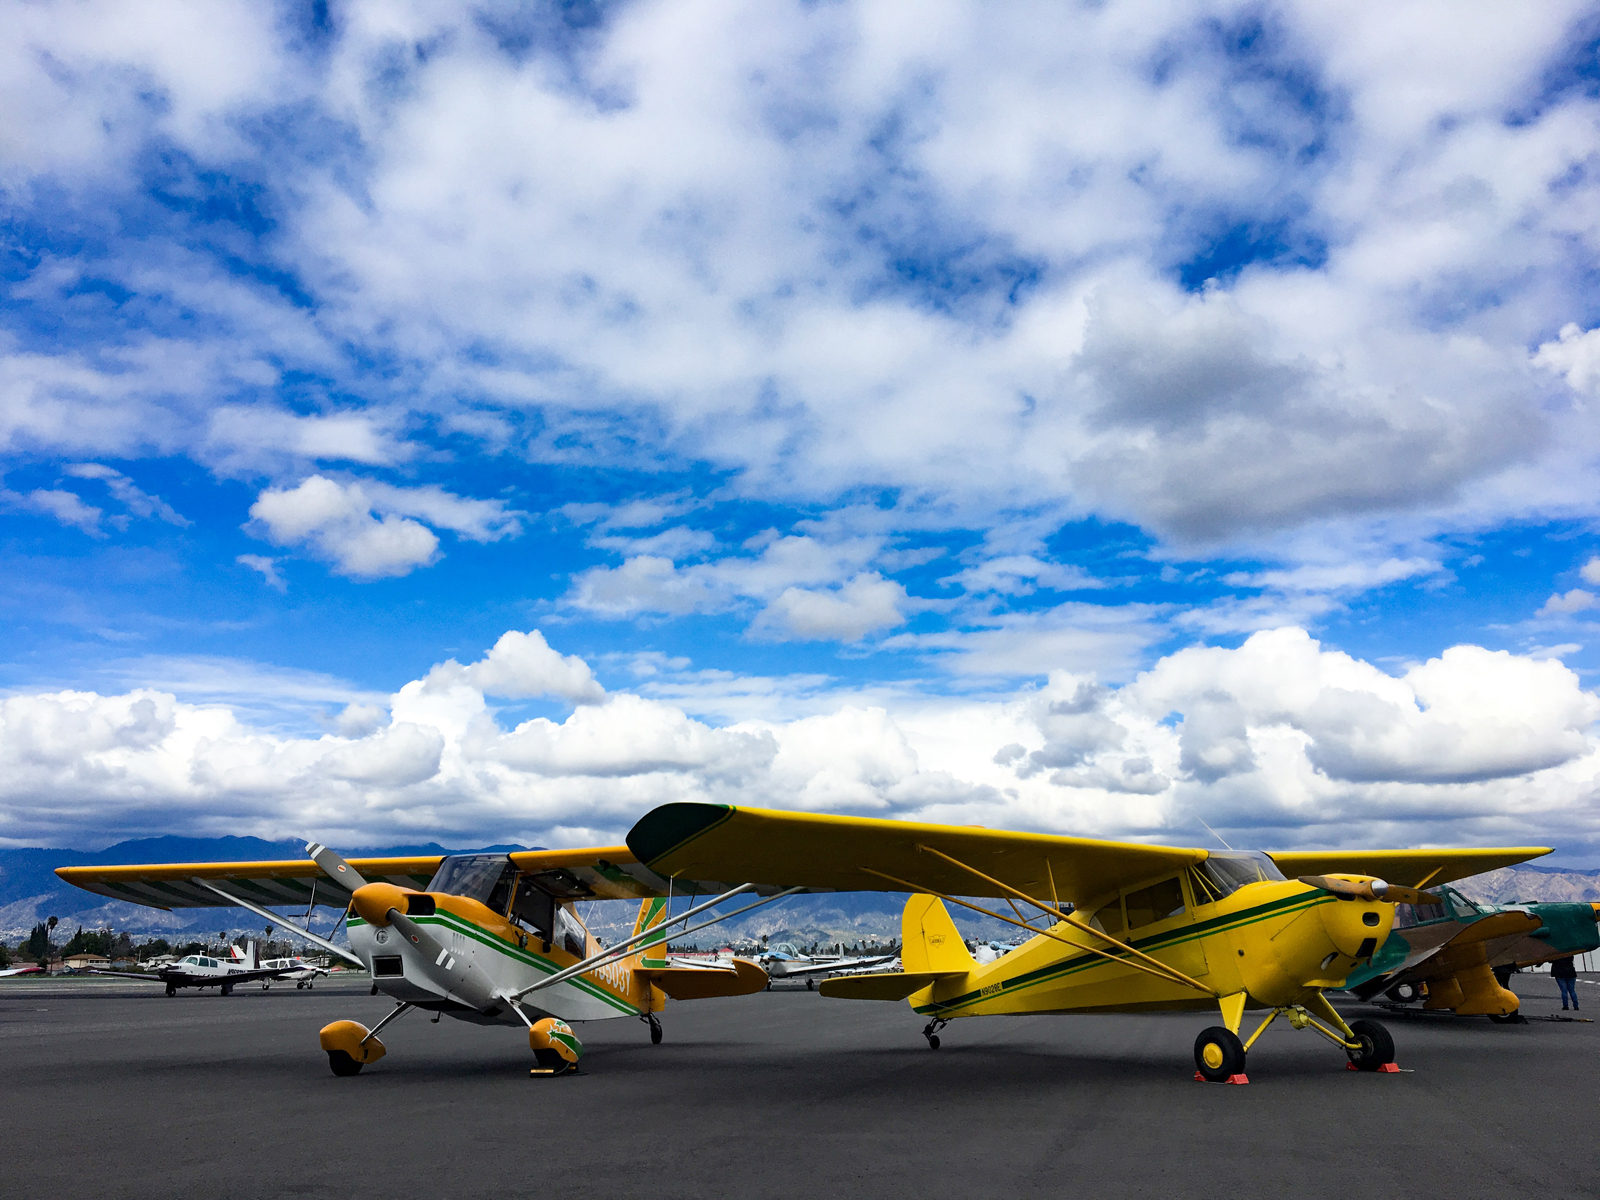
{"type": "Point", "coordinates": [830, 853]}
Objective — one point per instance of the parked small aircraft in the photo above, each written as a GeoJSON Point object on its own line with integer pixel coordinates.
{"type": "Point", "coordinates": [1151, 927]}
{"type": "Point", "coordinates": [783, 961]}
{"type": "Point", "coordinates": [494, 939]}
{"type": "Point", "coordinates": [202, 971]}
{"type": "Point", "coordinates": [1446, 953]}
{"type": "Point", "coordinates": [291, 970]}
{"type": "Point", "coordinates": [32, 969]}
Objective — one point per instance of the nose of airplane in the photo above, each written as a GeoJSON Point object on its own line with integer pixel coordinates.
{"type": "Point", "coordinates": [374, 901]}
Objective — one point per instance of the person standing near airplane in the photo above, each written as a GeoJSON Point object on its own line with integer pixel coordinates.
{"type": "Point", "coordinates": [1566, 977]}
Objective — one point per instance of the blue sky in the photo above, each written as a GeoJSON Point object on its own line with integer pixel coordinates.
{"type": "Point", "coordinates": [487, 424]}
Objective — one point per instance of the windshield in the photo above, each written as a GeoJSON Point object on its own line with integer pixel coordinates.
{"type": "Point", "coordinates": [1226, 871]}
{"type": "Point", "coordinates": [486, 878]}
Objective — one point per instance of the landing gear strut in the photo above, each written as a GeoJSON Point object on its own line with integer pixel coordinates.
{"type": "Point", "coordinates": [655, 1027]}
{"type": "Point", "coordinates": [931, 1032]}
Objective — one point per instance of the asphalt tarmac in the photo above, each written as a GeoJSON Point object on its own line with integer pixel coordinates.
{"type": "Point", "coordinates": [115, 1090]}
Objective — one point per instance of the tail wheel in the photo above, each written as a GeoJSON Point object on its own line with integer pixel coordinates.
{"type": "Point", "coordinates": [1375, 1046]}
{"type": "Point", "coordinates": [1218, 1054]}
{"type": "Point", "coordinates": [343, 1064]}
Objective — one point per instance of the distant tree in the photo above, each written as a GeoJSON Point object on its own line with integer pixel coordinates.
{"type": "Point", "coordinates": [155, 946]}
{"type": "Point", "coordinates": [5, 956]}
{"type": "Point", "coordinates": [39, 941]}
{"type": "Point", "coordinates": [191, 948]}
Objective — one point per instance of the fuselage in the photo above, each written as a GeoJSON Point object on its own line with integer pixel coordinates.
{"type": "Point", "coordinates": [474, 956]}
{"type": "Point", "coordinates": [1276, 941]}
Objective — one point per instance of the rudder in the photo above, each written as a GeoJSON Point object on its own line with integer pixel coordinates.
{"type": "Point", "coordinates": [652, 951]}
{"type": "Point", "coordinates": [930, 941]}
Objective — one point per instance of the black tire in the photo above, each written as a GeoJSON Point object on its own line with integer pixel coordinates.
{"type": "Point", "coordinates": [933, 1041]}
{"type": "Point", "coordinates": [1511, 1018]}
{"type": "Point", "coordinates": [1377, 1046]}
{"type": "Point", "coordinates": [1218, 1054]}
{"type": "Point", "coordinates": [1403, 993]}
{"type": "Point", "coordinates": [343, 1065]}
{"type": "Point", "coordinates": [811, 984]}
{"type": "Point", "coordinates": [655, 1035]}
{"type": "Point", "coordinates": [172, 989]}
{"type": "Point", "coordinates": [227, 989]}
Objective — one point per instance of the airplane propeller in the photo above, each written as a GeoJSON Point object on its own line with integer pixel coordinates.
{"type": "Point", "coordinates": [1370, 889]}
{"type": "Point", "coordinates": [334, 866]}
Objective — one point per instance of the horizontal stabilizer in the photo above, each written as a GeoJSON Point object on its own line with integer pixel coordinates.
{"type": "Point", "coordinates": [891, 985]}
{"type": "Point", "coordinates": [740, 977]}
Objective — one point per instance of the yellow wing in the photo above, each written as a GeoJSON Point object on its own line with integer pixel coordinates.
{"type": "Point", "coordinates": [1409, 868]}
{"type": "Point", "coordinates": [596, 873]}
{"type": "Point", "coordinates": [858, 854]}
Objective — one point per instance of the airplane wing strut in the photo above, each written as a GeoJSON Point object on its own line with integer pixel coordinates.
{"type": "Point", "coordinates": [281, 921]}
{"type": "Point", "coordinates": [623, 948]}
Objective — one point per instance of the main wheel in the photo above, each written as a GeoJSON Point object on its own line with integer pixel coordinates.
{"type": "Point", "coordinates": [172, 989]}
{"type": "Point", "coordinates": [1218, 1053]}
{"type": "Point", "coordinates": [342, 1063]}
{"type": "Point", "coordinates": [655, 1033]}
{"type": "Point", "coordinates": [227, 989]}
{"type": "Point", "coordinates": [933, 1041]}
{"type": "Point", "coordinates": [1376, 1046]}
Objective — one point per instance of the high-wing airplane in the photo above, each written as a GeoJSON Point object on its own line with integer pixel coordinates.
{"type": "Point", "coordinates": [1149, 928]}
{"type": "Point", "coordinates": [1446, 953]}
{"type": "Point", "coordinates": [783, 961]}
{"type": "Point", "coordinates": [494, 939]}
{"type": "Point", "coordinates": [202, 971]}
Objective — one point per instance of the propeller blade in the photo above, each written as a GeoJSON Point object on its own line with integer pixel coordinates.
{"type": "Point", "coordinates": [1370, 889]}
{"type": "Point", "coordinates": [1349, 889]}
{"type": "Point", "coordinates": [335, 866]}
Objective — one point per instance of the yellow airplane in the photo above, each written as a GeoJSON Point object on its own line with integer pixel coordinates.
{"type": "Point", "coordinates": [494, 939]}
{"type": "Point", "coordinates": [1131, 927]}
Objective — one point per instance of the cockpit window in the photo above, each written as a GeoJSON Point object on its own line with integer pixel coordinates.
{"type": "Point", "coordinates": [486, 878]}
{"type": "Point", "coordinates": [1224, 872]}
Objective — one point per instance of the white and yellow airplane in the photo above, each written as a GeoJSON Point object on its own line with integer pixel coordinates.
{"type": "Point", "coordinates": [1129, 927]}
{"type": "Point", "coordinates": [494, 939]}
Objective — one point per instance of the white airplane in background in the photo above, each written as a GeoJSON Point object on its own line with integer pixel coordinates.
{"type": "Point", "coordinates": [783, 961]}
{"type": "Point", "coordinates": [202, 971]}
{"type": "Point", "coordinates": [303, 973]}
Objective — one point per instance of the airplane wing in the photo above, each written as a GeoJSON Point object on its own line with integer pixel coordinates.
{"type": "Point", "coordinates": [1447, 947]}
{"type": "Point", "coordinates": [856, 854]}
{"type": "Point", "coordinates": [838, 964]}
{"type": "Point", "coordinates": [1408, 868]}
{"type": "Point", "coordinates": [287, 882]}
{"type": "Point", "coordinates": [595, 873]}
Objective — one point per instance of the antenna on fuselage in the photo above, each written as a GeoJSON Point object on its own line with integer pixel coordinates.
{"type": "Point", "coordinates": [1213, 832]}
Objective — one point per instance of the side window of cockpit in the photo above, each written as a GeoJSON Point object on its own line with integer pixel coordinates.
{"type": "Point", "coordinates": [571, 933]}
{"type": "Point", "coordinates": [535, 908]}
{"type": "Point", "coordinates": [1154, 903]}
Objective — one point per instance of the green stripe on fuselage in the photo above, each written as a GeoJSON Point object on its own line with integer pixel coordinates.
{"type": "Point", "coordinates": [1165, 940]}
{"type": "Point", "coordinates": [538, 963]}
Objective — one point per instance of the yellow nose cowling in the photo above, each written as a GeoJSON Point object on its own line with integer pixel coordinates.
{"type": "Point", "coordinates": [373, 901]}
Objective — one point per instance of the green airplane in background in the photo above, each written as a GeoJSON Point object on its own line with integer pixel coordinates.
{"type": "Point", "coordinates": [1448, 953]}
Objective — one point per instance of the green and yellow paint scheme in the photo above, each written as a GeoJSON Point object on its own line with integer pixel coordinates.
{"type": "Point", "coordinates": [1129, 927]}
{"type": "Point", "coordinates": [1448, 953]}
{"type": "Point", "coordinates": [493, 939]}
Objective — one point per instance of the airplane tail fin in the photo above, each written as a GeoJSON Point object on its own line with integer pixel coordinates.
{"type": "Point", "coordinates": [652, 951]}
{"type": "Point", "coordinates": [930, 941]}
